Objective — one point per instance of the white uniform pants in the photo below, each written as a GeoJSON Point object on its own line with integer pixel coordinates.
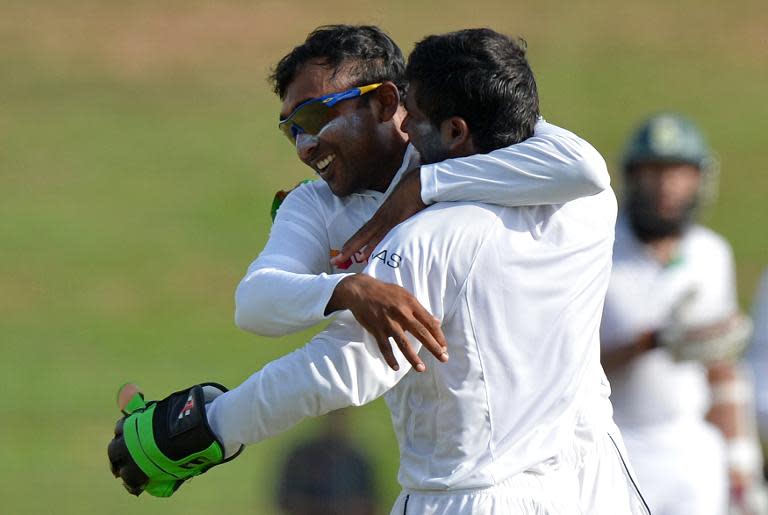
{"type": "Point", "coordinates": [548, 491]}
{"type": "Point", "coordinates": [608, 483]}
{"type": "Point", "coordinates": [681, 467]}
{"type": "Point", "coordinates": [592, 478]}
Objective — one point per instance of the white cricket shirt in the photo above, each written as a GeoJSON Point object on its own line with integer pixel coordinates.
{"type": "Point", "coordinates": [647, 296]}
{"type": "Point", "coordinates": [519, 293]}
{"type": "Point", "coordinates": [288, 286]}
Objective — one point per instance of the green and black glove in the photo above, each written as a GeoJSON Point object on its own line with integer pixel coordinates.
{"type": "Point", "coordinates": [160, 444]}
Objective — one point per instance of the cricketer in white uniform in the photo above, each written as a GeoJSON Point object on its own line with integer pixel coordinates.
{"type": "Point", "coordinates": [288, 286]}
{"type": "Point", "coordinates": [670, 277]}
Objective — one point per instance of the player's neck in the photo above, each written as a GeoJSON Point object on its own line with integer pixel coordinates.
{"type": "Point", "coordinates": [664, 250]}
{"type": "Point", "coordinates": [392, 160]}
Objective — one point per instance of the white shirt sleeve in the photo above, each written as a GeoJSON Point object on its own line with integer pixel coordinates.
{"type": "Point", "coordinates": [282, 291]}
{"type": "Point", "coordinates": [342, 366]}
{"type": "Point", "coordinates": [553, 166]}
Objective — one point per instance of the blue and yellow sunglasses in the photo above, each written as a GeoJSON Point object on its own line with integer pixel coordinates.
{"type": "Point", "coordinates": [312, 115]}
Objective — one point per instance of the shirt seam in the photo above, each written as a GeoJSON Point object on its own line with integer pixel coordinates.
{"type": "Point", "coordinates": [462, 293]}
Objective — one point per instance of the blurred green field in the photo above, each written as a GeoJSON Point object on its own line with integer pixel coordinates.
{"type": "Point", "coordinates": [138, 158]}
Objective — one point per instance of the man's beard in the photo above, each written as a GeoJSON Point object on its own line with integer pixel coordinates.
{"type": "Point", "coordinates": [432, 150]}
{"type": "Point", "coordinates": [646, 223]}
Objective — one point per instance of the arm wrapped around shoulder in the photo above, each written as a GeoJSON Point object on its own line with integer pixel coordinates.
{"type": "Point", "coordinates": [723, 340]}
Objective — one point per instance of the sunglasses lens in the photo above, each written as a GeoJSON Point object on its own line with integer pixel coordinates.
{"type": "Point", "coordinates": [289, 129]}
{"type": "Point", "coordinates": [310, 118]}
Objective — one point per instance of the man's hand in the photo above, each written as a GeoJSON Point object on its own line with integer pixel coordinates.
{"type": "Point", "coordinates": [388, 311]}
{"type": "Point", "coordinates": [404, 202]}
{"type": "Point", "coordinates": [160, 444]}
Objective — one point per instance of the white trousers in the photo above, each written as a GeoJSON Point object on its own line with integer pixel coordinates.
{"type": "Point", "coordinates": [549, 491]}
{"type": "Point", "coordinates": [591, 478]}
{"type": "Point", "coordinates": [607, 481]}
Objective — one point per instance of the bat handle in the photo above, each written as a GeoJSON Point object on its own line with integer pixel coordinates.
{"type": "Point", "coordinates": [130, 398]}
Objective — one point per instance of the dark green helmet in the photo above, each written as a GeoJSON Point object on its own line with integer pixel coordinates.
{"type": "Point", "coordinates": [667, 138]}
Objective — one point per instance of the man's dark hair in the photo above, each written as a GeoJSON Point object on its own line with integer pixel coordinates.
{"type": "Point", "coordinates": [365, 51]}
{"type": "Point", "coordinates": [481, 76]}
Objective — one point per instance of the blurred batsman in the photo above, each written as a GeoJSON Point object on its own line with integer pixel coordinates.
{"type": "Point", "coordinates": [517, 421]}
{"type": "Point", "coordinates": [672, 331]}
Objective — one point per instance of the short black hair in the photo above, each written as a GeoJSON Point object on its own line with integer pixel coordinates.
{"type": "Point", "coordinates": [483, 77]}
{"type": "Point", "coordinates": [365, 51]}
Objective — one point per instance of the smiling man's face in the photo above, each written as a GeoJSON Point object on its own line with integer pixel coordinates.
{"type": "Point", "coordinates": [345, 152]}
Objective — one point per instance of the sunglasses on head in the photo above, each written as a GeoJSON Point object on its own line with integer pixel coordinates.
{"type": "Point", "coordinates": [312, 115]}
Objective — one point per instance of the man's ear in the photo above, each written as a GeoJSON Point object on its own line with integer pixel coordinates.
{"type": "Point", "coordinates": [455, 135]}
{"type": "Point", "coordinates": [388, 98]}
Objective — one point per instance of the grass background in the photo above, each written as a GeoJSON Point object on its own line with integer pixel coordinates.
{"type": "Point", "coordinates": [138, 158]}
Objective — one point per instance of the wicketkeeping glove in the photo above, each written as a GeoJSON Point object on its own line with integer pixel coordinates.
{"type": "Point", "coordinates": [160, 444]}
{"type": "Point", "coordinates": [721, 341]}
